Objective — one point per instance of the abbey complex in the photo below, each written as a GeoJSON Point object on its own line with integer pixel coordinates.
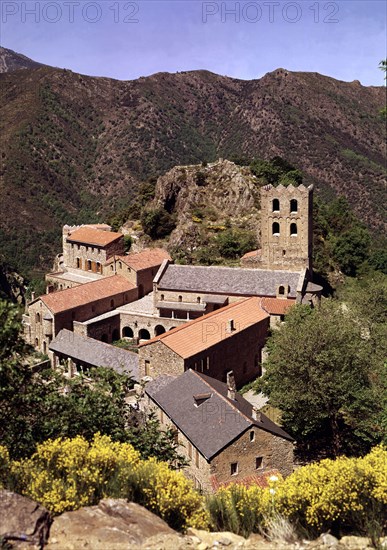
{"type": "Point", "coordinates": [198, 332]}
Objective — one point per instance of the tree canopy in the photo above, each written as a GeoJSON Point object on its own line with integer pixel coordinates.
{"type": "Point", "coordinates": [326, 377]}
{"type": "Point", "coordinates": [45, 405]}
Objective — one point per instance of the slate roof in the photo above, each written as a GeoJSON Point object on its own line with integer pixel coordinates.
{"type": "Point", "coordinates": [277, 306]}
{"type": "Point", "coordinates": [226, 280]}
{"type": "Point", "coordinates": [95, 353]}
{"type": "Point", "coordinates": [62, 300]}
{"type": "Point", "coordinates": [214, 424]}
{"type": "Point", "coordinates": [206, 331]}
{"type": "Point", "coordinates": [93, 236]}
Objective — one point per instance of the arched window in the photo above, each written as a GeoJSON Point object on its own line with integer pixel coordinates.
{"type": "Point", "coordinates": [127, 332]}
{"type": "Point", "coordinates": [99, 267]}
{"type": "Point", "coordinates": [159, 329]}
{"type": "Point", "coordinates": [162, 297]}
{"type": "Point", "coordinates": [120, 265]}
{"type": "Point", "coordinates": [144, 334]}
{"type": "Point", "coordinates": [180, 298]}
{"type": "Point", "coordinates": [276, 228]}
{"type": "Point", "coordinates": [281, 290]}
{"type": "Point", "coordinates": [38, 317]}
{"type": "Point", "coordinates": [198, 300]}
{"type": "Point", "coordinates": [112, 267]}
{"type": "Point", "coordinates": [78, 263]}
{"type": "Point", "coordinates": [293, 230]}
{"type": "Point", "coordinates": [276, 205]}
{"type": "Point", "coordinates": [89, 265]}
{"type": "Point", "coordinates": [293, 205]}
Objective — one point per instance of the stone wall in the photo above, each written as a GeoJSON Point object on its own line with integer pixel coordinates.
{"type": "Point", "coordinates": [286, 248]}
{"type": "Point", "coordinates": [241, 353]}
{"type": "Point", "coordinates": [275, 452]}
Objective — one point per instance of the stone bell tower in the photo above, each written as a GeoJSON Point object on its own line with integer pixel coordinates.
{"type": "Point", "coordinates": [286, 227]}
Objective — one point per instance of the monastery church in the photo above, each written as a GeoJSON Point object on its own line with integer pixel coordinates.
{"type": "Point", "coordinates": [212, 321]}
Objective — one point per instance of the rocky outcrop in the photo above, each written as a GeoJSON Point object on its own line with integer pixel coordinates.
{"type": "Point", "coordinates": [205, 198]}
{"type": "Point", "coordinates": [12, 285]}
{"type": "Point", "coordinates": [24, 523]}
{"type": "Point", "coordinates": [113, 524]}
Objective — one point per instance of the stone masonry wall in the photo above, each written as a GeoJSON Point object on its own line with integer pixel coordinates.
{"type": "Point", "coordinates": [161, 360]}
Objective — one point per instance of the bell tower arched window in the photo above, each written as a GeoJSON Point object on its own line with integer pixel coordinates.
{"type": "Point", "coordinates": [293, 206]}
{"type": "Point", "coordinates": [276, 205]}
{"type": "Point", "coordinates": [293, 230]}
{"type": "Point", "coordinates": [276, 228]}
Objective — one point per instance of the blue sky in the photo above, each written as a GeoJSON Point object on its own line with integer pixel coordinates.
{"type": "Point", "coordinates": [345, 39]}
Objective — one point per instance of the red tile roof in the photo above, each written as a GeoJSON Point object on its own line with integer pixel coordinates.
{"type": "Point", "coordinates": [93, 236]}
{"type": "Point", "coordinates": [204, 332]}
{"type": "Point", "coordinates": [71, 298]}
{"type": "Point", "coordinates": [150, 257]}
{"type": "Point", "coordinates": [277, 306]}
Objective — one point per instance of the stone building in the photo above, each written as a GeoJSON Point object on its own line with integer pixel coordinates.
{"type": "Point", "coordinates": [86, 249]}
{"type": "Point", "coordinates": [286, 230]}
{"type": "Point", "coordinates": [222, 436]}
{"type": "Point", "coordinates": [76, 353]}
{"type": "Point", "coordinates": [50, 313]}
{"type": "Point", "coordinates": [231, 338]}
{"type": "Point", "coordinates": [140, 268]}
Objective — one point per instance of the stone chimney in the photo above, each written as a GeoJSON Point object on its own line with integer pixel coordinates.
{"type": "Point", "coordinates": [256, 414]}
{"type": "Point", "coordinates": [230, 325]}
{"type": "Point", "coordinates": [231, 386]}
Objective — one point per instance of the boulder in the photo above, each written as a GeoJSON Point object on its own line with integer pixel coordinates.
{"type": "Point", "coordinates": [114, 523]}
{"type": "Point", "coordinates": [23, 521]}
{"type": "Point", "coordinates": [356, 543]}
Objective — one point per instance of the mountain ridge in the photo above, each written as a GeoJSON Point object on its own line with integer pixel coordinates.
{"type": "Point", "coordinates": [76, 148]}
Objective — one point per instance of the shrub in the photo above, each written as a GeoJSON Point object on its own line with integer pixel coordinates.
{"type": "Point", "coordinates": [157, 222]}
{"type": "Point", "coordinates": [66, 474]}
{"type": "Point", "coordinates": [233, 243]}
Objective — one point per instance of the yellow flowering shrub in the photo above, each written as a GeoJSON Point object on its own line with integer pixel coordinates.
{"type": "Point", "coordinates": [337, 494]}
{"type": "Point", "coordinates": [66, 474]}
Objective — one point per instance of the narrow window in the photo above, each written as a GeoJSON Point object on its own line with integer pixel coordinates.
{"type": "Point", "coordinates": [38, 317]}
{"type": "Point", "coordinates": [276, 205]}
{"type": "Point", "coordinates": [293, 205]}
{"type": "Point", "coordinates": [147, 367]}
{"type": "Point", "coordinates": [112, 268]}
{"type": "Point", "coordinates": [180, 299]}
{"type": "Point", "coordinates": [276, 228]}
{"type": "Point", "coordinates": [89, 265]}
{"type": "Point", "coordinates": [252, 436]}
{"type": "Point", "coordinates": [281, 290]}
{"type": "Point", "coordinates": [258, 462]}
{"type": "Point", "coordinates": [78, 263]}
{"type": "Point", "coordinates": [234, 468]}
{"type": "Point", "coordinates": [293, 230]}
{"type": "Point", "coordinates": [197, 463]}
{"type": "Point", "coordinates": [162, 298]}
{"type": "Point", "coordinates": [119, 265]}
{"type": "Point", "coordinates": [198, 299]}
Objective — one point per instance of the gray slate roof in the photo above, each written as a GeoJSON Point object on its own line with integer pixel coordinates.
{"type": "Point", "coordinates": [215, 423]}
{"type": "Point", "coordinates": [95, 353]}
{"type": "Point", "coordinates": [227, 280]}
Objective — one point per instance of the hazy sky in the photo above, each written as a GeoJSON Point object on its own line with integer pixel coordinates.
{"type": "Point", "coordinates": [345, 39]}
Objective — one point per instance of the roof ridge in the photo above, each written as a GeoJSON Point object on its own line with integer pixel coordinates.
{"type": "Point", "coordinates": [239, 268]}
{"type": "Point", "coordinates": [100, 279]}
{"type": "Point", "coordinates": [195, 321]}
{"type": "Point", "coordinates": [229, 401]}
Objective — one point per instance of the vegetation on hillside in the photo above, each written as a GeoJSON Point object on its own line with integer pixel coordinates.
{"type": "Point", "coordinates": [38, 406]}
{"type": "Point", "coordinates": [326, 372]}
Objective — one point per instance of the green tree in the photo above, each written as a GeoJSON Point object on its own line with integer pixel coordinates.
{"type": "Point", "coordinates": [323, 376]}
{"type": "Point", "coordinates": [157, 222]}
{"type": "Point", "coordinates": [233, 243]}
{"type": "Point", "coordinates": [38, 406]}
{"type": "Point", "coordinates": [351, 249]}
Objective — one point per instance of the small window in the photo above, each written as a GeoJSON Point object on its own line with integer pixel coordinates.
{"type": "Point", "coordinates": [258, 462]}
{"type": "Point", "coordinates": [78, 263]}
{"type": "Point", "coordinates": [198, 299]}
{"type": "Point", "coordinates": [120, 265]}
{"type": "Point", "coordinates": [234, 468]}
{"type": "Point", "coordinates": [293, 206]}
{"type": "Point", "coordinates": [293, 230]}
{"type": "Point", "coordinates": [281, 290]}
{"type": "Point", "coordinates": [38, 317]}
{"type": "Point", "coordinates": [112, 267]}
{"type": "Point", "coordinates": [252, 436]}
{"type": "Point", "coordinates": [180, 298]}
{"type": "Point", "coordinates": [276, 205]}
{"type": "Point", "coordinates": [162, 297]}
{"type": "Point", "coordinates": [276, 228]}
{"type": "Point", "coordinates": [89, 265]}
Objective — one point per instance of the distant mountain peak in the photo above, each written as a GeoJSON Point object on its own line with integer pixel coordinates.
{"type": "Point", "coordinates": [12, 61]}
